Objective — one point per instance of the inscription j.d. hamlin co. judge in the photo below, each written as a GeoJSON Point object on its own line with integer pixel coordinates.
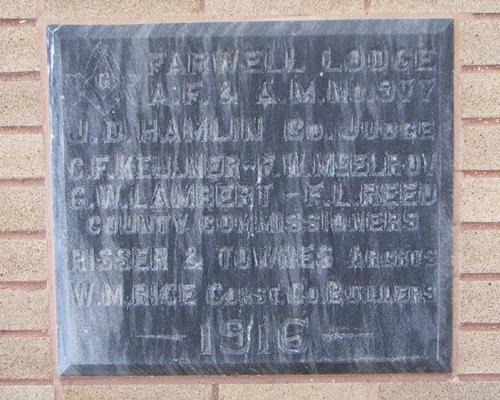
{"type": "Point", "coordinates": [241, 198]}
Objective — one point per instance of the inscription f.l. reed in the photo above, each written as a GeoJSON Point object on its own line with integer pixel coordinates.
{"type": "Point", "coordinates": [253, 197]}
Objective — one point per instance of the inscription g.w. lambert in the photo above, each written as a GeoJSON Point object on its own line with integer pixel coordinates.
{"type": "Point", "coordinates": [233, 198]}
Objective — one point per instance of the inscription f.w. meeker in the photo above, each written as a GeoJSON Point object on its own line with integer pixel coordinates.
{"type": "Point", "coordinates": [241, 198]}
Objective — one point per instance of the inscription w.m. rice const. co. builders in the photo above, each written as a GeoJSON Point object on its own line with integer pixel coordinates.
{"type": "Point", "coordinates": [251, 198]}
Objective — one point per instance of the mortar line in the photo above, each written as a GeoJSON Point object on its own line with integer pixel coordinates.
{"type": "Point", "coordinates": [50, 262]}
{"type": "Point", "coordinates": [24, 285]}
{"type": "Point", "coordinates": [19, 76]}
{"type": "Point", "coordinates": [17, 130]}
{"type": "Point", "coordinates": [201, 17]}
{"type": "Point", "coordinates": [22, 182]}
{"type": "Point", "coordinates": [479, 327]}
{"type": "Point", "coordinates": [480, 225]}
{"type": "Point", "coordinates": [24, 333]}
{"type": "Point", "coordinates": [16, 22]}
{"type": "Point", "coordinates": [253, 379]}
{"type": "Point", "coordinates": [479, 377]}
{"type": "Point", "coordinates": [474, 69]}
{"type": "Point", "coordinates": [13, 235]}
{"type": "Point", "coordinates": [480, 276]}
{"type": "Point", "coordinates": [480, 121]}
{"type": "Point", "coordinates": [56, 384]}
{"type": "Point", "coordinates": [215, 391]}
{"type": "Point", "coordinates": [458, 143]}
{"type": "Point", "coordinates": [469, 173]}
{"type": "Point", "coordinates": [486, 15]}
{"type": "Point", "coordinates": [367, 5]}
{"type": "Point", "coordinates": [373, 391]}
{"type": "Point", "coordinates": [25, 382]}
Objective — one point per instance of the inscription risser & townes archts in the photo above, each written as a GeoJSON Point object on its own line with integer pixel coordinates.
{"type": "Point", "coordinates": [241, 198]}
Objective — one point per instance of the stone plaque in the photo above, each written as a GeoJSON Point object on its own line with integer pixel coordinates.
{"type": "Point", "coordinates": [253, 198]}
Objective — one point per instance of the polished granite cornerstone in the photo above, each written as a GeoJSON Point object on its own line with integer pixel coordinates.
{"type": "Point", "coordinates": [253, 197]}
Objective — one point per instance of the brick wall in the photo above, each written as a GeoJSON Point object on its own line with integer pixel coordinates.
{"type": "Point", "coordinates": [26, 268]}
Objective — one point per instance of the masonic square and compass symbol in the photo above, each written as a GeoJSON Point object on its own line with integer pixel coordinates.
{"type": "Point", "coordinates": [102, 84]}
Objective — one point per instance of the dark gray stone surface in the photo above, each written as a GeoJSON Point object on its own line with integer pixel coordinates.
{"type": "Point", "coordinates": [252, 198]}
